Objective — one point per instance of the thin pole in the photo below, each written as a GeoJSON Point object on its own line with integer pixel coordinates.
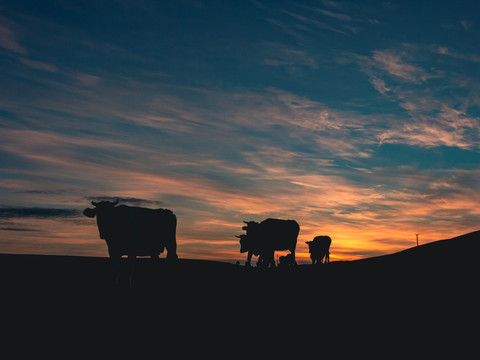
{"type": "Point", "coordinates": [417, 238]}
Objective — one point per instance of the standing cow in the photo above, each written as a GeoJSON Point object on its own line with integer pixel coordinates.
{"type": "Point", "coordinates": [319, 249]}
{"type": "Point", "coordinates": [262, 239]}
{"type": "Point", "coordinates": [134, 231]}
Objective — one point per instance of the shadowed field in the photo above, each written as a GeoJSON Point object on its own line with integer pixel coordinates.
{"type": "Point", "coordinates": [451, 262]}
{"type": "Point", "coordinates": [426, 287]}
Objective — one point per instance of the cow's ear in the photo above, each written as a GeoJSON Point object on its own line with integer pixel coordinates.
{"type": "Point", "coordinates": [308, 242]}
{"type": "Point", "coordinates": [115, 203]}
{"type": "Point", "coordinates": [94, 203]}
{"type": "Point", "coordinates": [88, 212]}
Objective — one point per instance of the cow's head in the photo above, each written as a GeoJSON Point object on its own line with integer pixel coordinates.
{"type": "Point", "coordinates": [309, 243]}
{"type": "Point", "coordinates": [243, 243]}
{"type": "Point", "coordinates": [101, 208]}
{"type": "Point", "coordinates": [103, 212]}
{"type": "Point", "coordinates": [247, 242]}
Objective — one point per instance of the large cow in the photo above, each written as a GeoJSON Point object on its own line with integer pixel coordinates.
{"type": "Point", "coordinates": [262, 239]}
{"type": "Point", "coordinates": [319, 249]}
{"type": "Point", "coordinates": [134, 231]}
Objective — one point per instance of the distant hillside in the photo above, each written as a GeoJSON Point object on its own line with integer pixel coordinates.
{"type": "Point", "coordinates": [438, 265]}
{"type": "Point", "coordinates": [458, 251]}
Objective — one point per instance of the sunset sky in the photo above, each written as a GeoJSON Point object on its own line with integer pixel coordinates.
{"type": "Point", "coordinates": [358, 119]}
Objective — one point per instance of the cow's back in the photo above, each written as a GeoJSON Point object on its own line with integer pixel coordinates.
{"type": "Point", "coordinates": [320, 244]}
{"type": "Point", "coordinates": [145, 230]}
{"type": "Point", "coordinates": [280, 234]}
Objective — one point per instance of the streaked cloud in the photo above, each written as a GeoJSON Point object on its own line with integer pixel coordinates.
{"type": "Point", "coordinates": [8, 37]}
{"type": "Point", "coordinates": [8, 212]}
{"type": "Point", "coordinates": [444, 50]}
{"type": "Point", "coordinates": [393, 63]}
{"type": "Point", "coordinates": [289, 57]}
{"type": "Point", "coordinates": [431, 118]}
{"type": "Point", "coordinates": [306, 22]}
{"type": "Point", "coordinates": [87, 79]}
{"type": "Point", "coordinates": [336, 15]}
{"type": "Point", "coordinates": [39, 65]}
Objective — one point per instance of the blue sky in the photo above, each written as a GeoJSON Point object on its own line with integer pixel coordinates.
{"type": "Point", "coordinates": [358, 119]}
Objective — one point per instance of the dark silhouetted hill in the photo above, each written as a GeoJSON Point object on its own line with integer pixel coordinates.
{"type": "Point", "coordinates": [461, 251]}
{"type": "Point", "coordinates": [436, 280]}
{"type": "Point", "coordinates": [445, 261]}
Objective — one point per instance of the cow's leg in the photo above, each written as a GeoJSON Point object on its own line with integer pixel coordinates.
{"type": "Point", "coordinates": [172, 249]}
{"type": "Point", "coordinates": [132, 258]}
{"type": "Point", "coordinates": [156, 266]}
{"type": "Point", "coordinates": [249, 258]}
{"type": "Point", "coordinates": [269, 259]}
{"type": "Point", "coordinates": [115, 263]}
{"type": "Point", "coordinates": [171, 239]}
{"type": "Point", "coordinates": [263, 260]}
{"type": "Point", "coordinates": [272, 259]}
{"type": "Point", "coordinates": [294, 262]}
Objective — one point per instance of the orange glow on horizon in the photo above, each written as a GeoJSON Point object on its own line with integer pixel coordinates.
{"type": "Point", "coordinates": [362, 222]}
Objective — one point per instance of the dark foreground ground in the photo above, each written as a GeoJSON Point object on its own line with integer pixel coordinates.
{"type": "Point", "coordinates": [433, 287]}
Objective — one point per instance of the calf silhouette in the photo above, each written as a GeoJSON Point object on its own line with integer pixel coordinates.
{"type": "Point", "coordinates": [319, 249]}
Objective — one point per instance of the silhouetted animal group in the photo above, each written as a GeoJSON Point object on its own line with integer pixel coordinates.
{"type": "Point", "coordinates": [263, 239]}
{"type": "Point", "coordinates": [137, 231]}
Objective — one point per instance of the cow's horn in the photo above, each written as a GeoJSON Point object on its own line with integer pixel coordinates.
{"type": "Point", "coordinates": [238, 236]}
{"type": "Point", "coordinates": [94, 203]}
{"type": "Point", "coordinates": [246, 222]}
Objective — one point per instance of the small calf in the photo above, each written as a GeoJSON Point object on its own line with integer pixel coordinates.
{"type": "Point", "coordinates": [319, 249]}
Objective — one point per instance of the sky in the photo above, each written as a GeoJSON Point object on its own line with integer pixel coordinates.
{"type": "Point", "coordinates": [358, 119]}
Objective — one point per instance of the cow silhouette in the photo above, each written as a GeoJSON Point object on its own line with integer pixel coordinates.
{"type": "Point", "coordinates": [134, 231]}
{"type": "Point", "coordinates": [262, 239]}
{"type": "Point", "coordinates": [319, 249]}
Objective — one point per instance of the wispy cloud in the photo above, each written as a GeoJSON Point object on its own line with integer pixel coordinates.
{"type": "Point", "coordinates": [445, 50]}
{"type": "Point", "coordinates": [466, 24]}
{"type": "Point", "coordinates": [431, 119]}
{"type": "Point", "coordinates": [278, 55]}
{"type": "Point", "coordinates": [309, 23]}
{"type": "Point", "coordinates": [9, 41]}
{"type": "Point", "coordinates": [8, 212]}
{"type": "Point", "coordinates": [392, 62]}
{"type": "Point", "coordinates": [336, 15]}
{"type": "Point", "coordinates": [9, 38]}
{"type": "Point", "coordinates": [87, 79]}
{"type": "Point", "coordinates": [38, 65]}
